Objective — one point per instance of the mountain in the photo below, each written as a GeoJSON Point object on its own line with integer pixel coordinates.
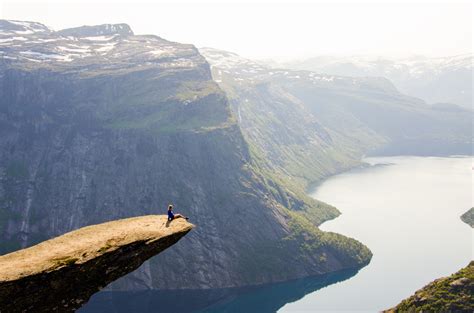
{"type": "Point", "coordinates": [80, 263]}
{"type": "Point", "coordinates": [99, 124]}
{"type": "Point", "coordinates": [435, 80]}
{"type": "Point", "coordinates": [307, 125]}
{"type": "Point", "coordinates": [447, 294]}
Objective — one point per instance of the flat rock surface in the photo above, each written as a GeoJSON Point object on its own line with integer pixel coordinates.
{"type": "Point", "coordinates": [87, 243]}
{"type": "Point", "coordinates": [61, 274]}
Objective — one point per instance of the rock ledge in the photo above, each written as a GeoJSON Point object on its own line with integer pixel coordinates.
{"type": "Point", "coordinates": [62, 273]}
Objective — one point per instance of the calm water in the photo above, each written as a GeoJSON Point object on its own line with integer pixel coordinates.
{"type": "Point", "coordinates": [258, 299]}
{"type": "Point", "coordinates": [405, 209]}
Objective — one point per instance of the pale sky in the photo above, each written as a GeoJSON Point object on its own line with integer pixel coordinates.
{"type": "Point", "coordinates": [275, 29]}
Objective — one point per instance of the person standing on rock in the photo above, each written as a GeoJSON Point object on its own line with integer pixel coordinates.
{"type": "Point", "coordinates": [172, 216]}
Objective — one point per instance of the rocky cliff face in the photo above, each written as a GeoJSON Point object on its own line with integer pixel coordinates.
{"type": "Point", "coordinates": [60, 275]}
{"type": "Point", "coordinates": [99, 124]}
{"type": "Point", "coordinates": [309, 125]}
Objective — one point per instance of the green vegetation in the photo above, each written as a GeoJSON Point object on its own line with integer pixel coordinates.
{"type": "Point", "coordinates": [290, 191]}
{"type": "Point", "coordinates": [314, 241]}
{"type": "Point", "coordinates": [193, 106]}
{"type": "Point", "coordinates": [305, 247]}
{"type": "Point", "coordinates": [194, 90]}
{"type": "Point", "coordinates": [105, 248]}
{"type": "Point", "coordinates": [305, 243]}
{"type": "Point", "coordinates": [449, 294]}
{"type": "Point", "coordinates": [66, 261]}
{"type": "Point", "coordinates": [468, 217]}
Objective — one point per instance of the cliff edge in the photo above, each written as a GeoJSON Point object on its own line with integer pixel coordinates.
{"type": "Point", "coordinates": [62, 273]}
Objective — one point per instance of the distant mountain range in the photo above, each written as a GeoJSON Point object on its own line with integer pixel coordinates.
{"type": "Point", "coordinates": [309, 125]}
{"type": "Point", "coordinates": [435, 80]}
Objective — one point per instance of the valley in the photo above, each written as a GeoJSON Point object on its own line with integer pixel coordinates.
{"type": "Point", "coordinates": [99, 123]}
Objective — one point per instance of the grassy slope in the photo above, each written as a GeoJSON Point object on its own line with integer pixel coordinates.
{"type": "Point", "coordinates": [449, 294]}
{"type": "Point", "coordinates": [289, 146]}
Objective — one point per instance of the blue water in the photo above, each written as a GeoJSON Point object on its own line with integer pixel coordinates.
{"type": "Point", "coordinates": [405, 209]}
{"type": "Point", "coordinates": [262, 299]}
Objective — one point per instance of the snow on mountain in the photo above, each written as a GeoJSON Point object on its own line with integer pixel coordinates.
{"type": "Point", "coordinates": [35, 44]}
{"type": "Point", "coordinates": [230, 67]}
{"type": "Point", "coordinates": [442, 79]}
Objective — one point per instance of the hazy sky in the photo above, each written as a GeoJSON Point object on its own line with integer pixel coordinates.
{"type": "Point", "coordinates": [275, 28]}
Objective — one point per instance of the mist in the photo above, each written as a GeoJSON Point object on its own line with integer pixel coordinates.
{"type": "Point", "coordinates": [278, 30]}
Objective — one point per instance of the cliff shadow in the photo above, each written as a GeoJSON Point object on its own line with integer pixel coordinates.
{"type": "Point", "coordinates": [265, 298]}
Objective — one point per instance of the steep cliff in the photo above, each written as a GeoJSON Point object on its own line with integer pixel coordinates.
{"type": "Point", "coordinates": [308, 125]}
{"type": "Point", "coordinates": [60, 275]}
{"type": "Point", "coordinates": [100, 124]}
{"type": "Point", "coordinates": [449, 294]}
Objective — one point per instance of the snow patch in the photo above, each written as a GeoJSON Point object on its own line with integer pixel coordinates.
{"type": "Point", "coordinates": [43, 56]}
{"type": "Point", "coordinates": [100, 38]}
{"type": "Point", "coordinates": [157, 52]}
{"type": "Point", "coordinates": [77, 50]}
{"type": "Point", "coordinates": [105, 48]}
{"type": "Point", "coordinates": [13, 39]}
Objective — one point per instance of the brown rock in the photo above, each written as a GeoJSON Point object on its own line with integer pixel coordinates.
{"type": "Point", "coordinates": [61, 274]}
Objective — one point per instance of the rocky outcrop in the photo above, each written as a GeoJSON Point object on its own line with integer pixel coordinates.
{"type": "Point", "coordinates": [60, 275]}
{"type": "Point", "coordinates": [449, 294]}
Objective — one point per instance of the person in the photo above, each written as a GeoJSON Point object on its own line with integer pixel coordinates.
{"type": "Point", "coordinates": [172, 216]}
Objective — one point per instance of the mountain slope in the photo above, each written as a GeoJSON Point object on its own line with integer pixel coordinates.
{"type": "Point", "coordinates": [435, 80]}
{"type": "Point", "coordinates": [282, 129]}
{"type": "Point", "coordinates": [310, 125]}
{"type": "Point", "coordinates": [447, 294]}
{"type": "Point", "coordinates": [98, 124]}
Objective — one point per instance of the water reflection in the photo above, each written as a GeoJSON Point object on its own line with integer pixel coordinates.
{"type": "Point", "coordinates": [268, 298]}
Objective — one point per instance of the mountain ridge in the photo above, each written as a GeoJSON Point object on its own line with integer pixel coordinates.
{"type": "Point", "coordinates": [435, 80]}
{"type": "Point", "coordinates": [283, 111]}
